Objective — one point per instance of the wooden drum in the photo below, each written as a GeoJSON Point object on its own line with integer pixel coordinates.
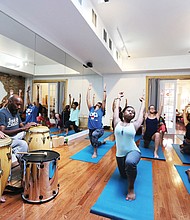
{"type": "Point", "coordinates": [5, 162]}
{"type": "Point", "coordinates": [38, 138]}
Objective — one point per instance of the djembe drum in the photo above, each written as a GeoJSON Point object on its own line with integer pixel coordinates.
{"type": "Point", "coordinates": [38, 138]}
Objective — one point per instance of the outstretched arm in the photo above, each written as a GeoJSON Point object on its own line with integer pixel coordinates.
{"type": "Point", "coordinates": [185, 116]}
{"type": "Point", "coordinates": [126, 102]}
{"type": "Point", "coordinates": [93, 100]}
{"type": "Point", "coordinates": [117, 101]}
{"type": "Point", "coordinates": [79, 101]}
{"type": "Point", "coordinates": [70, 100]}
{"type": "Point", "coordinates": [140, 118]}
{"type": "Point", "coordinates": [104, 98]}
{"type": "Point", "coordinates": [38, 96]}
{"type": "Point", "coordinates": [28, 96]}
{"type": "Point", "coordinates": [20, 93]}
{"type": "Point", "coordinates": [114, 104]}
{"type": "Point", "coordinates": [88, 96]}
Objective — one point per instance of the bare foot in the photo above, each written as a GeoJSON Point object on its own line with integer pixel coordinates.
{"type": "Point", "coordinates": [131, 195]}
{"type": "Point", "coordinates": [94, 155]}
{"type": "Point", "coordinates": [156, 155]}
{"type": "Point", "coordinates": [2, 199]}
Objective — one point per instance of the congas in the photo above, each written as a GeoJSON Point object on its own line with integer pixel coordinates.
{"type": "Point", "coordinates": [38, 138]}
{"type": "Point", "coordinates": [5, 162]}
{"type": "Point", "coordinates": [40, 176]}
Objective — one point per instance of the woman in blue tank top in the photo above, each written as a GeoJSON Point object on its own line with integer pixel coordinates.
{"type": "Point", "coordinates": [127, 153]}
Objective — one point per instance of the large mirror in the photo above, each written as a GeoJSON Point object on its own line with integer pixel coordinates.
{"type": "Point", "coordinates": [26, 55]}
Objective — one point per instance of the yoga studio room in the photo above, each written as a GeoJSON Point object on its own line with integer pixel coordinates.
{"type": "Point", "coordinates": [95, 110]}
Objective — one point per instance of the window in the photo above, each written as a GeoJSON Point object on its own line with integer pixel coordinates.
{"type": "Point", "coordinates": [105, 35]}
{"type": "Point", "coordinates": [94, 18]}
{"type": "Point", "coordinates": [110, 44]}
{"type": "Point", "coordinates": [80, 1]}
{"type": "Point", "coordinates": [117, 55]}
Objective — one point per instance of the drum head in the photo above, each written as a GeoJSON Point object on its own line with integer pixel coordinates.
{"type": "Point", "coordinates": [39, 158]}
{"type": "Point", "coordinates": [39, 129]}
{"type": "Point", "coordinates": [5, 141]}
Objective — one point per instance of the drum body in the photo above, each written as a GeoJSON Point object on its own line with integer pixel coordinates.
{"type": "Point", "coordinates": [40, 177]}
{"type": "Point", "coordinates": [5, 162]}
{"type": "Point", "coordinates": [38, 138]}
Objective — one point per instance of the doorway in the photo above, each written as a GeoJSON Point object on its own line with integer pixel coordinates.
{"type": "Point", "coordinates": [176, 96]}
{"type": "Point", "coordinates": [51, 95]}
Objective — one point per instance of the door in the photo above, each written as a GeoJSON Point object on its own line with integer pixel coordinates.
{"type": "Point", "coordinates": [169, 109]}
{"type": "Point", "coordinates": [52, 98]}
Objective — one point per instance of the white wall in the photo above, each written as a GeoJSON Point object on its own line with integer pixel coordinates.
{"type": "Point", "coordinates": [131, 84]}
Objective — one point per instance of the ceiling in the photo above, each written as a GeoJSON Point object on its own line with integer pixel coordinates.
{"type": "Point", "coordinates": [139, 28]}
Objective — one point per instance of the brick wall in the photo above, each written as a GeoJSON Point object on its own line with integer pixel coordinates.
{"type": "Point", "coordinates": [12, 82]}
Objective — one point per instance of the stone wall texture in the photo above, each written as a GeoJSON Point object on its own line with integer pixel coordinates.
{"type": "Point", "coordinates": [12, 82]}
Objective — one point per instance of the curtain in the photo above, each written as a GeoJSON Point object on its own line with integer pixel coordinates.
{"type": "Point", "coordinates": [154, 92]}
{"type": "Point", "coordinates": [60, 95]}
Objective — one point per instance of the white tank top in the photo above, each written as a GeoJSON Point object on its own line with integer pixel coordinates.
{"type": "Point", "coordinates": [124, 136]}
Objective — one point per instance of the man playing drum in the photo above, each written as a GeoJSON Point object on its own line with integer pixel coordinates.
{"type": "Point", "coordinates": [11, 125]}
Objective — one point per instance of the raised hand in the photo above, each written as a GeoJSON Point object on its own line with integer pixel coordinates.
{"type": "Point", "coordinates": [11, 92]}
{"type": "Point", "coordinates": [121, 94]}
{"type": "Point", "coordinates": [90, 86]}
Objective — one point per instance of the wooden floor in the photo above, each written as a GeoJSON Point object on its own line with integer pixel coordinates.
{"type": "Point", "coordinates": [81, 184]}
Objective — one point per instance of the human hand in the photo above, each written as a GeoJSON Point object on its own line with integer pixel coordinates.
{"type": "Point", "coordinates": [104, 87]}
{"type": "Point", "coordinates": [121, 94]}
{"type": "Point", "coordinates": [90, 86]}
{"type": "Point", "coordinates": [11, 92]}
{"type": "Point", "coordinates": [28, 90]}
{"type": "Point", "coordinates": [2, 135]}
{"type": "Point", "coordinates": [141, 99]}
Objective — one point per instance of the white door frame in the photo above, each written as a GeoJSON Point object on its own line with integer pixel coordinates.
{"type": "Point", "coordinates": [169, 110]}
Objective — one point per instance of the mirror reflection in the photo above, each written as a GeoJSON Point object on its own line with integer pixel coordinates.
{"type": "Point", "coordinates": [27, 56]}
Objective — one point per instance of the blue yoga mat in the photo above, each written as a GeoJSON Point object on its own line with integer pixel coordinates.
{"type": "Point", "coordinates": [54, 129]}
{"type": "Point", "coordinates": [149, 152]}
{"type": "Point", "coordinates": [112, 203]}
{"type": "Point", "coordinates": [105, 135]}
{"type": "Point", "coordinates": [185, 158]}
{"type": "Point", "coordinates": [181, 170]}
{"type": "Point", "coordinates": [138, 137]}
{"type": "Point", "coordinates": [63, 133]}
{"type": "Point", "coordinates": [86, 153]}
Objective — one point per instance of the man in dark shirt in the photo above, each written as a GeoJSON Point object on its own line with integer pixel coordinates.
{"type": "Point", "coordinates": [11, 124]}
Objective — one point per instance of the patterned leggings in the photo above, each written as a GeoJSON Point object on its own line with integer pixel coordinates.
{"type": "Point", "coordinates": [94, 135]}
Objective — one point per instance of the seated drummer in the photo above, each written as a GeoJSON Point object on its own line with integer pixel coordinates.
{"type": "Point", "coordinates": [11, 125]}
